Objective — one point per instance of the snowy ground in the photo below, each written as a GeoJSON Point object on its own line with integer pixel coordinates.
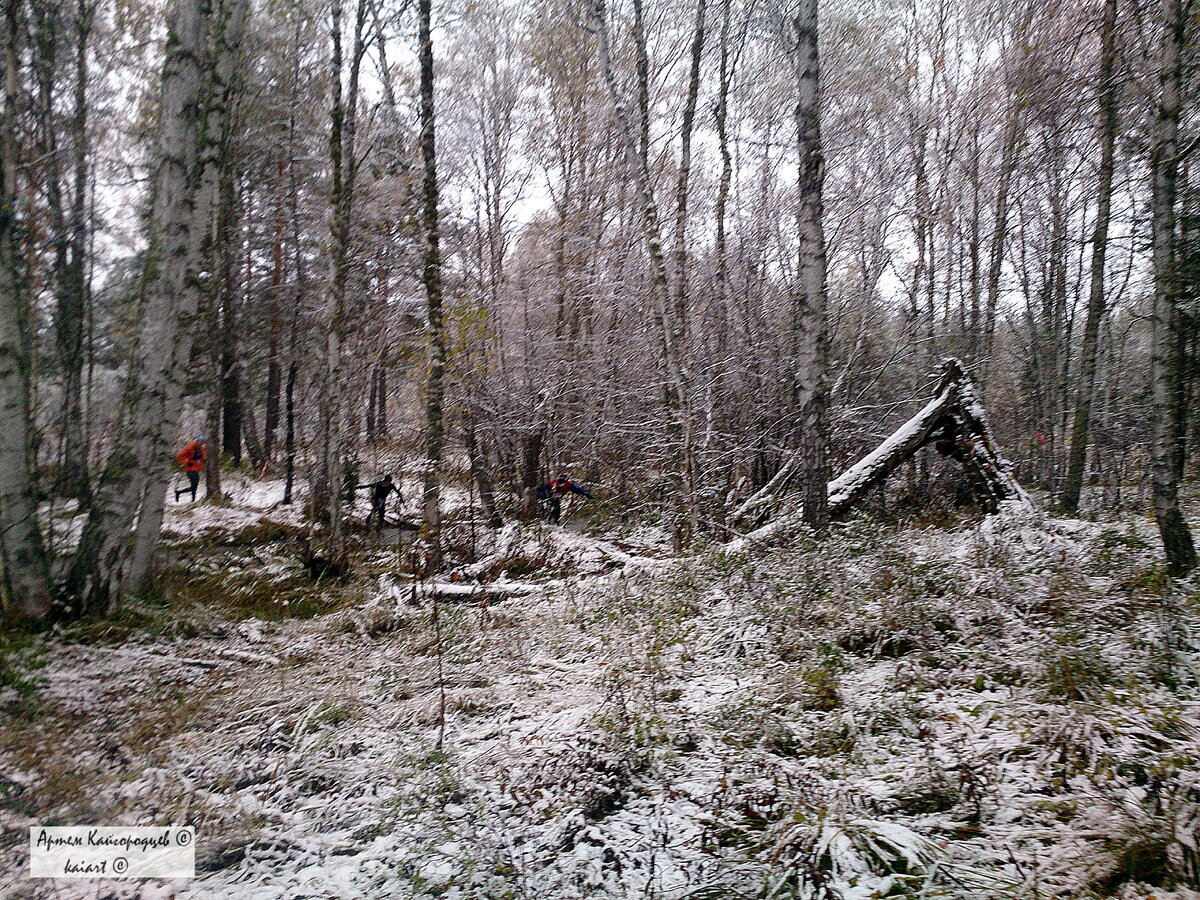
{"type": "Point", "coordinates": [1001, 710]}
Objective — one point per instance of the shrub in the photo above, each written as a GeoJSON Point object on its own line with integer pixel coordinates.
{"type": "Point", "coordinates": [1073, 669]}
{"type": "Point", "coordinates": [20, 658]}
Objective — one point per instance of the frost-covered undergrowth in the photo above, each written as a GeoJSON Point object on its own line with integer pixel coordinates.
{"type": "Point", "coordinates": [1003, 711]}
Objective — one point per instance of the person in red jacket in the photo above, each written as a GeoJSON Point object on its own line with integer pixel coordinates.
{"type": "Point", "coordinates": [551, 493]}
{"type": "Point", "coordinates": [192, 459]}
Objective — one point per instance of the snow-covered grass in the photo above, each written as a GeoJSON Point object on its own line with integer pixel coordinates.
{"type": "Point", "coordinates": [995, 710]}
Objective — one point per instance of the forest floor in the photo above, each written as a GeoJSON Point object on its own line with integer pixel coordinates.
{"type": "Point", "coordinates": [992, 708]}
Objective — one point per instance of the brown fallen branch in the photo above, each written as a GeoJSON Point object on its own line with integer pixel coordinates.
{"type": "Point", "coordinates": [955, 423]}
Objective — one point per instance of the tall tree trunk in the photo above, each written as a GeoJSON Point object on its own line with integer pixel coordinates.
{"type": "Point", "coordinates": [61, 146]}
{"type": "Point", "coordinates": [1077, 460]}
{"type": "Point", "coordinates": [372, 390]}
{"type": "Point", "coordinates": [381, 419]}
{"type": "Point", "coordinates": [326, 492]}
{"type": "Point", "coordinates": [487, 493]}
{"type": "Point", "coordinates": [26, 575]}
{"type": "Point", "coordinates": [342, 156]}
{"type": "Point", "coordinates": [667, 322]}
{"type": "Point", "coordinates": [289, 437]}
{"type": "Point", "coordinates": [432, 277]}
{"type": "Point", "coordinates": [531, 454]}
{"type": "Point", "coordinates": [691, 464]}
{"type": "Point", "coordinates": [71, 278]}
{"type": "Point", "coordinates": [220, 317]}
{"type": "Point", "coordinates": [812, 342]}
{"type": "Point", "coordinates": [271, 415]}
{"type": "Point", "coordinates": [725, 183]}
{"type": "Point", "coordinates": [254, 447]}
{"type": "Point", "coordinates": [1166, 327]}
{"type": "Point", "coordinates": [231, 381]}
{"type": "Point", "coordinates": [999, 235]}
{"type": "Point", "coordinates": [212, 466]}
{"type": "Point", "coordinates": [215, 192]}
{"type": "Point", "coordinates": [195, 97]}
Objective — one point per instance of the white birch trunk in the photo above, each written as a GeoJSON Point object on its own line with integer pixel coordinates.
{"type": "Point", "coordinates": [26, 588]}
{"type": "Point", "coordinates": [183, 192]}
{"type": "Point", "coordinates": [812, 339]}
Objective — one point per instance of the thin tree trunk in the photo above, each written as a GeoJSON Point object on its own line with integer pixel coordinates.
{"type": "Point", "coordinates": [381, 419]}
{"type": "Point", "coordinates": [289, 439]}
{"type": "Point", "coordinates": [341, 151]}
{"type": "Point", "coordinates": [432, 278]}
{"type": "Point", "coordinates": [1166, 345]}
{"type": "Point", "coordinates": [1077, 459]}
{"type": "Point", "coordinates": [225, 340]}
{"type": "Point", "coordinates": [724, 185]}
{"type": "Point", "coordinates": [372, 390]}
{"type": "Point", "coordinates": [487, 493]}
{"type": "Point", "coordinates": [212, 466]}
{"type": "Point", "coordinates": [999, 233]}
{"type": "Point", "coordinates": [254, 447]}
{"type": "Point", "coordinates": [327, 492]}
{"type": "Point", "coordinates": [692, 475]}
{"type": "Point", "coordinates": [271, 422]}
{"type": "Point", "coordinates": [71, 277]}
{"type": "Point", "coordinates": [667, 323]}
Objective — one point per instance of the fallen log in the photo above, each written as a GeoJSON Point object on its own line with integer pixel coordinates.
{"type": "Point", "coordinates": [955, 423]}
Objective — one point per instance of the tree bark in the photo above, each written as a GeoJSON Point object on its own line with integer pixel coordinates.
{"type": "Point", "coordinates": [69, 195]}
{"type": "Point", "coordinates": [668, 324]}
{"type": "Point", "coordinates": [812, 340]}
{"type": "Point", "coordinates": [531, 454]}
{"type": "Point", "coordinates": [1166, 343]}
{"type": "Point", "coordinates": [999, 234]}
{"type": "Point", "coordinates": [26, 576]}
{"type": "Point", "coordinates": [483, 480]}
{"type": "Point", "coordinates": [195, 96]}
{"type": "Point", "coordinates": [692, 475]}
{"type": "Point", "coordinates": [274, 373]}
{"type": "Point", "coordinates": [1077, 459]}
{"type": "Point", "coordinates": [381, 419]}
{"type": "Point", "coordinates": [343, 117]}
{"type": "Point", "coordinates": [289, 437]}
{"type": "Point", "coordinates": [432, 278]}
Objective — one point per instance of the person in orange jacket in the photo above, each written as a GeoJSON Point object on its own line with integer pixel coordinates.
{"type": "Point", "coordinates": [192, 459]}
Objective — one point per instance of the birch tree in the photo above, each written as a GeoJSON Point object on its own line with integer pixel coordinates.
{"type": "Point", "coordinates": [196, 79]}
{"type": "Point", "coordinates": [812, 338]}
{"type": "Point", "coordinates": [1166, 337]}
{"type": "Point", "coordinates": [26, 577]}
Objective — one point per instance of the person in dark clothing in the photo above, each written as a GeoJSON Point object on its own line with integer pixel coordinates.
{"type": "Point", "coordinates": [551, 493]}
{"type": "Point", "coordinates": [192, 458]}
{"type": "Point", "coordinates": [380, 491]}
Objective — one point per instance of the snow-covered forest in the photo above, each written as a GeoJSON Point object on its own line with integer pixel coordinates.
{"type": "Point", "coordinates": [667, 449]}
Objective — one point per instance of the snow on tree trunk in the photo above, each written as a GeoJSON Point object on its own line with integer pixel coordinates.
{"type": "Point", "coordinates": [955, 423]}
